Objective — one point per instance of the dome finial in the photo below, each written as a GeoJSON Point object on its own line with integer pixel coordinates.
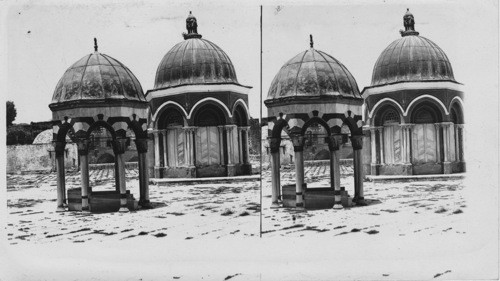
{"type": "Point", "coordinates": [311, 41]}
{"type": "Point", "coordinates": [409, 24]}
{"type": "Point", "coordinates": [95, 44]}
{"type": "Point", "coordinates": [192, 27]}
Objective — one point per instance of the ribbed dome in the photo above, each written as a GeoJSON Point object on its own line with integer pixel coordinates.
{"type": "Point", "coordinates": [97, 77]}
{"type": "Point", "coordinates": [194, 61]}
{"type": "Point", "coordinates": [313, 73]}
{"type": "Point", "coordinates": [411, 58]}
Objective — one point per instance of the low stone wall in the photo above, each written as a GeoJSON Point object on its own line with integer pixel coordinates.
{"type": "Point", "coordinates": [38, 158]}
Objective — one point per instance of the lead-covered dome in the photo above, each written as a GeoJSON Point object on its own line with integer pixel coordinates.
{"type": "Point", "coordinates": [313, 73]}
{"type": "Point", "coordinates": [412, 58]}
{"type": "Point", "coordinates": [97, 77]}
{"type": "Point", "coordinates": [194, 61]}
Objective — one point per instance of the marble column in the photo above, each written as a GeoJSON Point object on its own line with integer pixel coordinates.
{"type": "Point", "coordinates": [275, 170]}
{"type": "Point", "coordinates": [83, 150]}
{"type": "Point", "coordinates": [437, 127]}
{"type": "Point", "coordinates": [406, 153]}
{"type": "Point", "coordinates": [298, 148]}
{"type": "Point", "coordinates": [447, 169]}
{"type": "Point", "coordinates": [334, 144]}
{"type": "Point", "coordinates": [164, 134]}
{"type": "Point", "coordinates": [61, 177]}
{"type": "Point", "coordinates": [240, 145]}
{"type": "Point", "coordinates": [381, 144]}
{"type": "Point", "coordinates": [221, 144]}
{"type": "Point", "coordinates": [142, 151]}
{"type": "Point", "coordinates": [357, 145]}
{"type": "Point", "coordinates": [373, 142]}
{"type": "Point", "coordinates": [157, 154]}
{"type": "Point", "coordinates": [247, 146]}
{"type": "Point", "coordinates": [119, 147]}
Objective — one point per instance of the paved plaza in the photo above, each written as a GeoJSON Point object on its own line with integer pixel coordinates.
{"type": "Point", "coordinates": [423, 208]}
{"type": "Point", "coordinates": [213, 210]}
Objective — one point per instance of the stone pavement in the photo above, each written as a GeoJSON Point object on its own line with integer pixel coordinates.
{"type": "Point", "coordinates": [181, 211]}
{"type": "Point", "coordinates": [402, 209]}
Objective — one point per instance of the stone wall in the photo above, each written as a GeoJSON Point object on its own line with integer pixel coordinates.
{"type": "Point", "coordinates": [38, 157]}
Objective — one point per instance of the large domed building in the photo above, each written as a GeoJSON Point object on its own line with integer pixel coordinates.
{"type": "Point", "coordinates": [414, 108]}
{"type": "Point", "coordinates": [98, 94]}
{"type": "Point", "coordinates": [199, 111]}
{"type": "Point", "coordinates": [312, 97]}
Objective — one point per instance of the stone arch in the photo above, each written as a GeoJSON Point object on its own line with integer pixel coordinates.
{"type": "Point", "coordinates": [170, 116]}
{"type": "Point", "coordinates": [427, 99]}
{"type": "Point", "coordinates": [426, 112]}
{"type": "Point", "coordinates": [240, 116]}
{"type": "Point", "coordinates": [383, 102]}
{"type": "Point", "coordinates": [456, 112]}
{"type": "Point", "coordinates": [103, 124]}
{"type": "Point", "coordinates": [165, 106]}
{"type": "Point", "coordinates": [209, 114]}
{"type": "Point", "coordinates": [105, 158]}
{"type": "Point", "coordinates": [386, 113]}
{"type": "Point", "coordinates": [196, 107]}
{"type": "Point", "coordinates": [313, 120]}
{"type": "Point", "coordinates": [241, 103]}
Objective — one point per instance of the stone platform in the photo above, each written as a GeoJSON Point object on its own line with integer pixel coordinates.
{"type": "Point", "coordinates": [186, 181]}
{"type": "Point", "coordinates": [404, 178]}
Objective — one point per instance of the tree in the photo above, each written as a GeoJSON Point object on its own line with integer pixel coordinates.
{"type": "Point", "coordinates": [11, 113]}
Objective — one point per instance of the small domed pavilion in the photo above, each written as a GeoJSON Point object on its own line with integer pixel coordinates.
{"type": "Point", "coordinates": [313, 91]}
{"type": "Point", "coordinates": [99, 93]}
{"type": "Point", "coordinates": [414, 108]}
{"type": "Point", "coordinates": [199, 111]}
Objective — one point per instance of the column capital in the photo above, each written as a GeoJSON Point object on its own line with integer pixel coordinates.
{"type": "Point", "coordinates": [59, 147]}
{"type": "Point", "coordinates": [407, 126]}
{"type": "Point", "coordinates": [334, 142]}
{"type": "Point", "coordinates": [357, 142]}
{"type": "Point", "coordinates": [244, 128]}
{"type": "Point", "coordinates": [274, 144]}
{"type": "Point", "coordinates": [298, 142]}
{"type": "Point", "coordinates": [83, 146]}
{"type": "Point", "coordinates": [461, 126]}
{"type": "Point", "coordinates": [119, 145]}
{"type": "Point", "coordinates": [142, 145]}
{"type": "Point", "coordinates": [446, 124]}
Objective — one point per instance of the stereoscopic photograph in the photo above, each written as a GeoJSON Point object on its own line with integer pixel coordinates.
{"type": "Point", "coordinates": [310, 140]}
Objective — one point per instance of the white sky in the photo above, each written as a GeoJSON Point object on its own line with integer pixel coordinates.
{"type": "Point", "coordinates": [44, 40]}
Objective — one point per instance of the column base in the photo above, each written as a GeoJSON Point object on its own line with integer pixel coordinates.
{"type": "Point", "coordinates": [231, 170]}
{"type": "Point", "coordinates": [338, 206]}
{"type": "Point", "coordinates": [374, 169]}
{"type": "Point", "coordinates": [145, 204]}
{"type": "Point", "coordinates": [60, 209]}
{"type": "Point", "coordinates": [447, 167]}
{"type": "Point", "coordinates": [123, 210]}
{"type": "Point", "coordinates": [275, 205]}
{"type": "Point", "coordinates": [359, 201]}
{"type": "Point", "coordinates": [157, 172]}
{"type": "Point", "coordinates": [407, 169]}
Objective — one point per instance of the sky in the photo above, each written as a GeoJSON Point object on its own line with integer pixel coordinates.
{"type": "Point", "coordinates": [43, 40]}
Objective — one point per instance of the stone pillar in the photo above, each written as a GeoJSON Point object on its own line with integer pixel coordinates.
{"type": "Point", "coordinates": [446, 140]}
{"type": "Point", "coordinates": [460, 137]}
{"type": "Point", "coordinates": [373, 142]}
{"type": "Point", "coordinates": [157, 154]}
{"type": "Point", "coordinates": [247, 146]}
{"type": "Point", "coordinates": [119, 147]}
{"type": "Point", "coordinates": [437, 127]}
{"type": "Point", "coordinates": [232, 138]}
{"type": "Point", "coordinates": [192, 144]}
{"type": "Point", "coordinates": [83, 150]}
{"type": "Point", "coordinates": [334, 144]}
{"type": "Point", "coordinates": [274, 144]}
{"type": "Point", "coordinates": [406, 153]}
{"type": "Point", "coordinates": [381, 144]}
{"type": "Point", "coordinates": [221, 144]}
{"type": "Point", "coordinates": [240, 144]}
{"type": "Point", "coordinates": [165, 148]}
{"type": "Point", "coordinates": [61, 180]}
{"type": "Point", "coordinates": [357, 145]}
{"type": "Point", "coordinates": [142, 151]}
{"type": "Point", "coordinates": [298, 148]}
